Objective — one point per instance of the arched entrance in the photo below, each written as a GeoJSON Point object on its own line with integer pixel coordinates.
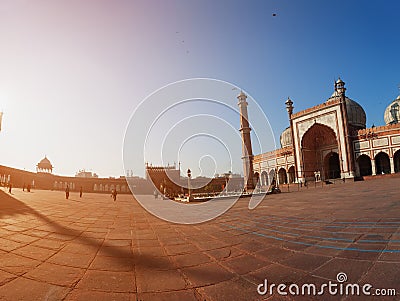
{"type": "Point", "coordinates": [256, 179]}
{"type": "Point", "coordinates": [291, 174]}
{"type": "Point", "coordinates": [332, 166]}
{"type": "Point", "coordinates": [382, 163]}
{"type": "Point", "coordinates": [396, 161]}
{"type": "Point", "coordinates": [317, 142]}
{"type": "Point", "coordinates": [271, 176]}
{"type": "Point", "coordinates": [264, 178]}
{"type": "Point", "coordinates": [282, 176]}
{"type": "Point", "coordinates": [364, 165]}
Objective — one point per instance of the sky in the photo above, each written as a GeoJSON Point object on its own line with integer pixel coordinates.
{"type": "Point", "coordinates": [72, 73]}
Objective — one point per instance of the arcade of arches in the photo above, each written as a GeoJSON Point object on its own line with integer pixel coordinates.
{"type": "Point", "coordinates": [283, 176]}
{"type": "Point", "coordinates": [330, 168]}
{"type": "Point", "coordinates": [381, 162]}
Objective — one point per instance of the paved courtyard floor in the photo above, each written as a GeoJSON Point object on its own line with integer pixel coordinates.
{"type": "Point", "coordinates": [96, 249]}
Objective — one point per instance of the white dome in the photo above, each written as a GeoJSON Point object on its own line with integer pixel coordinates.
{"type": "Point", "coordinates": [392, 112]}
{"type": "Point", "coordinates": [355, 113]}
{"type": "Point", "coordinates": [286, 138]}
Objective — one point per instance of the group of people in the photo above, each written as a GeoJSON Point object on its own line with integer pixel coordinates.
{"type": "Point", "coordinates": [28, 187]}
{"type": "Point", "coordinates": [10, 186]}
{"type": "Point", "coordinates": [67, 192]}
{"type": "Point", "coordinates": [113, 193]}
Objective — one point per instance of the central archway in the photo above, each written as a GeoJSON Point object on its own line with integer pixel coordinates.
{"type": "Point", "coordinates": [332, 166]}
{"type": "Point", "coordinates": [319, 150]}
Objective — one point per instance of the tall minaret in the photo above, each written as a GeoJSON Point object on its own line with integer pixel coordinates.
{"type": "Point", "coordinates": [348, 170]}
{"type": "Point", "coordinates": [247, 152]}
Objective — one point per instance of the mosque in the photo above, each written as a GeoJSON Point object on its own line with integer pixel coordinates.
{"type": "Point", "coordinates": [324, 142]}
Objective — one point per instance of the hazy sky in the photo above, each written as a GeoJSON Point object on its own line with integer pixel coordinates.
{"type": "Point", "coordinates": [72, 72]}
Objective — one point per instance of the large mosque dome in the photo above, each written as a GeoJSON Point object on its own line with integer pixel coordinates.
{"type": "Point", "coordinates": [355, 113]}
{"type": "Point", "coordinates": [286, 138]}
{"type": "Point", "coordinates": [392, 112]}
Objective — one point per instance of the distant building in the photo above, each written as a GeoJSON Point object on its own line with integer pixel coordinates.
{"type": "Point", "coordinates": [168, 180]}
{"type": "Point", "coordinates": [90, 182]}
{"type": "Point", "coordinates": [85, 174]}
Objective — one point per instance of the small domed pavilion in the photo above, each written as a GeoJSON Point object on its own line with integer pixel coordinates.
{"type": "Point", "coordinates": [44, 166]}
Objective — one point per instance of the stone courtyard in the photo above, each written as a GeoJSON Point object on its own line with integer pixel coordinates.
{"type": "Point", "coordinates": [92, 248]}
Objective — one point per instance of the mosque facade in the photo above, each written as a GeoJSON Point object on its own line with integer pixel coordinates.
{"type": "Point", "coordinates": [331, 141]}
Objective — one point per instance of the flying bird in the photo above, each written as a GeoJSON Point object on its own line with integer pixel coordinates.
{"type": "Point", "coordinates": [274, 15]}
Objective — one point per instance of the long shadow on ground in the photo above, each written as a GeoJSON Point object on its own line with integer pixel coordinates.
{"type": "Point", "coordinates": [10, 207]}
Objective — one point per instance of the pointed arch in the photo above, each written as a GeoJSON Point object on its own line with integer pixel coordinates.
{"type": "Point", "coordinates": [318, 141]}
{"type": "Point", "coordinates": [332, 165]}
{"type": "Point", "coordinates": [364, 165]}
{"type": "Point", "coordinates": [291, 174]}
{"type": "Point", "coordinates": [396, 161]}
{"type": "Point", "coordinates": [282, 176]}
{"type": "Point", "coordinates": [264, 178]}
{"type": "Point", "coordinates": [382, 163]}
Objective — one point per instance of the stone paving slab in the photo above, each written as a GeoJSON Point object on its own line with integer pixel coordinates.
{"type": "Point", "coordinates": [92, 248]}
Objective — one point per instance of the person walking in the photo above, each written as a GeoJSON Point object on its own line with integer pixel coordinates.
{"type": "Point", "coordinates": [67, 192]}
{"type": "Point", "coordinates": [80, 192]}
{"type": "Point", "coordinates": [9, 188]}
{"type": "Point", "coordinates": [114, 194]}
